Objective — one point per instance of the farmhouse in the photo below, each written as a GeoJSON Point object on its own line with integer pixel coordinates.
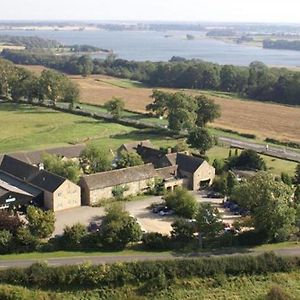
{"type": "Point", "coordinates": [189, 171]}
{"type": "Point", "coordinates": [100, 186]}
{"type": "Point", "coordinates": [22, 184]}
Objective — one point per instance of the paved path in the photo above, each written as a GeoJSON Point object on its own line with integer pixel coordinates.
{"type": "Point", "coordinates": [98, 260]}
{"type": "Point", "coordinates": [271, 151]}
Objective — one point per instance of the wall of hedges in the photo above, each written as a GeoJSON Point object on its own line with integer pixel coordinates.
{"type": "Point", "coordinates": [114, 275]}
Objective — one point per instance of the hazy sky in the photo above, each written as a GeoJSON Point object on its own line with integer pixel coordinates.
{"type": "Point", "coordinates": [175, 10]}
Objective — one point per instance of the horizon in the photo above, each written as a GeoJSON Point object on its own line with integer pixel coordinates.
{"type": "Point", "coordinates": [232, 11]}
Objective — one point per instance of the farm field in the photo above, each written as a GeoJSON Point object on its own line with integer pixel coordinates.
{"type": "Point", "coordinates": [30, 128]}
{"type": "Point", "coordinates": [246, 287]}
{"type": "Point", "coordinates": [262, 119]}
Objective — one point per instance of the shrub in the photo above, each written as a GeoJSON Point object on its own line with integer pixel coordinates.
{"type": "Point", "coordinates": [73, 236]}
{"type": "Point", "coordinates": [182, 202]}
{"type": "Point", "coordinates": [155, 241]}
{"type": "Point", "coordinates": [277, 293]}
{"type": "Point", "coordinates": [6, 239]}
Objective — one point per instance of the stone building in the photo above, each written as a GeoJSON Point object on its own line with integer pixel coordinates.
{"type": "Point", "coordinates": [99, 186]}
{"type": "Point", "coordinates": [40, 187]}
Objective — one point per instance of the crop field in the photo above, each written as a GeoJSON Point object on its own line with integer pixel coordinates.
{"type": "Point", "coordinates": [28, 128]}
{"type": "Point", "coordinates": [262, 119]}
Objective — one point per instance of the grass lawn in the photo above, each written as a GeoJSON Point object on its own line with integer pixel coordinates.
{"type": "Point", "coordinates": [65, 254]}
{"type": "Point", "coordinates": [29, 128]}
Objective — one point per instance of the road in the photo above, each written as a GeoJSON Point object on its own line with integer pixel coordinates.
{"type": "Point", "coordinates": [271, 151]}
{"type": "Point", "coordinates": [109, 259]}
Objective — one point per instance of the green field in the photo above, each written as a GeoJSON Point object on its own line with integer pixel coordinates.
{"type": "Point", "coordinates": [221, 287]}
{"type": "Point", "coordinates": [27, 128]}
{"type": "Point", "coordinates": [274, 165]}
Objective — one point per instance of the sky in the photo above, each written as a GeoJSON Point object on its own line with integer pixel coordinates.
{"type": "Point", "coordinates": [283, 11]}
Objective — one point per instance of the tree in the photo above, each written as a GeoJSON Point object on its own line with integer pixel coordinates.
{"type": "Point", "coordinates": [10, 221]}
{"type": "Point", "coordinates": [220, 185]}
{"type": "Point", "coordinates": [285, 177]}
{"type": "Point", "coordinates": [53, 84]}
{"type": "Point", "coordinates": [231, 182]}
{"type": "Point", "coordinates": [200, 139]}
{"type": "Point", "coordinates": [25, 240]}
{"type": "Point", "coordinates": [73, 236]}
{"type": "Point", "coordinates": [209, 222]}
{"type": "Point", "coordinates": [115, 107]}
{"type": "Point", "coordinates": [85, 65]}
{"type": "Point", "coordinates": [270, 204]}
{"type": "Point", "coordinates": [183, 231]}
{"type": "Point", "coordinates": [218, 164]}
{"type": "Point", "coordinates": [207, 110]}
{"type": "Point", "coordinates": [6, 240]}
{"type": "Point", "coordinates": [119, 228]}
{"type": "Point", "coordinates": [67, 169]}
{"type": "Point", "coordinates": [128, 159]}
{"type": "Point", "coordinates": [247, 160]}
{"type": "Point", "coordinates": [40, 223]}
{"type": "Point", "coordinates": [118, 191]}
{"type": "Point", "coordinates": [182, 202]}
{"type": "Point", "coordinates": [94, 159]}
{"type": "Point", "coordinates": [71, 93]}
{"type": "Point", "coordinates": [297, 174]}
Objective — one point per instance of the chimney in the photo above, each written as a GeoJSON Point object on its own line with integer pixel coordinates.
{"type": "Point", "coordinates": [169, 150]}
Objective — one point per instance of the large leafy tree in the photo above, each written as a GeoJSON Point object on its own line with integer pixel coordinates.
{"type": "Point", "coordinates": [115, 107]}
{"type": "Point", "coordinates": [270, 204]}
{"type": "Point", "coordinates": [209, 221]}
{"type": "Point", "coordinates": [200, 139]}
{"type": "Point", "coordinates": [207, 110]}
{"type": "Point", "coordinates": [119, 228]}
{"type": "Point", "coordinates": [93, 159]}
{"type": "Point", "coordinates": [40, 223]}
{"type": "Point", "coordinates": [67, 169]}
{"type": "Point", "coordinates": [128, 159]}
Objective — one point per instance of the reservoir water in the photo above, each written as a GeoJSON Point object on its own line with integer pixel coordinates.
{"type": "Point", "coordinates": [161, 46]}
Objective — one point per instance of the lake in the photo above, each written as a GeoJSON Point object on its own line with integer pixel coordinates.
{"type": "Point", "coordinates": [155, 46]}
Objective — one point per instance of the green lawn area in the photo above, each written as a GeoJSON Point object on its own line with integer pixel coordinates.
{"type": "Point", "coordinates": [65, 254]}
{"type": "Point", "coordinates": [123, 83]}
{"type": "Point", "coordinates": [274, 165]}
{"type": "Point", "coordinates": [28, 128]}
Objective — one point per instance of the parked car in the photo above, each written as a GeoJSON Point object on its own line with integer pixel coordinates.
{"type": "Point", "coordinates": [158, 209]}
{"type": "Point", "coordinates": [94, 226]}
{"type": "Point", "coordinates": [166, 212]}
{"type": "Point", "coordinates": [214, 195]}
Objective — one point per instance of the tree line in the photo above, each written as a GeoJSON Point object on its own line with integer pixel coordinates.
{"type": "Point", "coordinates": [257, 81]}
{"type": "Point", "coordinates": [282, 44]}
{"type": "Point", "coordinates": [17, 84]}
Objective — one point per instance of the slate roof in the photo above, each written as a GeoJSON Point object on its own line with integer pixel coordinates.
{"type": "Point", "coordinates": [132, 147]}
{"type": "Point", "coordinates": [47, 181]}
{"type": "Point", "coordinates": [13, 184]}
{"type": "Point", "coordinates": [35, 157]}
{"type": "Point", "coordinates": [118, 177]}
{"type": "Point", "coordinates": [18, 168]}
{"type": "Point", "coordinates": [188, 163]}
{"type": "Point", "coordinates": [167, 173]}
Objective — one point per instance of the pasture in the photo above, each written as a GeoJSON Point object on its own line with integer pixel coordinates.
{"type": "Point", "coordinates": [25, 127]}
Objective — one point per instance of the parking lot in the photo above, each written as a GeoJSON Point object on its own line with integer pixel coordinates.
{"type": "Point", "coordinates": [149, 221]}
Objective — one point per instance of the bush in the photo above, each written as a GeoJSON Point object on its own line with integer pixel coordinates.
{"type": "Point", "coordinates": [182, 202]}
{"type": "Point", "coordinates": [277, 293]}
{"type": "Point", "coordinates": [155, 241]}
{"type": "Point", "coordinates": [6, 240]}
{"type": "Point", "coordinates": [73, 236]}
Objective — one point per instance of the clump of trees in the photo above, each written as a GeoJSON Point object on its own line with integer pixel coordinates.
{"type": "Point", "coordinates": [17, 84]}
{"type": "Point", "coordinates": [128, 159]}
{"type": "Point", "coordinates": [56, 165]}
{"type": "Point", "coordinates": [115, 107]}
{"type": "Point", "coordinates": [19, 236]}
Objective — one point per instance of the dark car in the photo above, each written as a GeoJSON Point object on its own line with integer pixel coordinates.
{"type": "Point", "coordinates": [214, 195]}
{"type": "Point", "coordinates": [158, 209]}
{"type": "Point", "coordinates": [94, 226]}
